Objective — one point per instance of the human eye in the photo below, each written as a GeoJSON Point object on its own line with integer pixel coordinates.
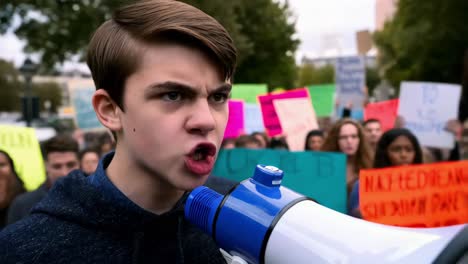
{"type": "Point", "coordinates": [172, 96]}
{"type": "Point", "coordinates": [219, 98]}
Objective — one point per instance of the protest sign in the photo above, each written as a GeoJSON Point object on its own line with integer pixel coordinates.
{"type": "Point", "coordinates": [350, 78]}
{"type": "Point", "coordinates": [81, 94]}
{"type": "Point", "coordinates": [235, 125]}
{"type": "Point", "coordinates": [318, 175]}
{"type": "Point", "coordinates": [253, 118]}
{"type": "Point", "coordinates": [270, 118]}
{"type": "Point", "coordinates": [323, 99]}
{"type": "Point", "coordinates": [248, 92]}
{"type": "Point", "coordinates": [426, 107]}
{"type": "Point", "coordinates": [385, 112]}
{"type": "Point", "coordinates": [23, 147]}
{"type": "Point", "coordinates": [429, 195]}
{"type": "Point", "coordinates": [297, 118]}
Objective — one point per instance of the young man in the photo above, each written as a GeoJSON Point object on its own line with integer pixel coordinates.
{"type": "Point", "coordinates": [162, 70]}
{"type": "Point", "coordinates": [373, 131]}
{"type": "Point", "coordinates": [60, 157]}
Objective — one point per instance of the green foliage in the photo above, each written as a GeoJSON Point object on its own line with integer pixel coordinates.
{"type": "Point", "coordinates": [425, 41]}
{"type": "Point", "coordinates": [10, 87]}
{"type": "Point", "coordinates": [309, 75]}
{"type": "Point", "coordinates": [372, 79]}
{"type": "Point", "coordinates": [262, 30]}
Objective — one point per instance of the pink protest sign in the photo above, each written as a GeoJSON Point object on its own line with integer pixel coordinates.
{"type": "Point", "coordinates": [235, 125]}
{"type": "Point", "coordinates": [270, 117]}
{"type": "Point", "coordinates": [385, 112]}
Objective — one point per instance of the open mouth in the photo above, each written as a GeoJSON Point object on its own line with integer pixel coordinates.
{"type": "Point", "coordinates": [202, 151]}
{"type": "Point", "coordinates": [200, 160]}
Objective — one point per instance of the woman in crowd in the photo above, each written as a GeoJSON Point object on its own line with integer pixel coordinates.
{"type": "Point", "coordinates": [10, 185]}
{"type": "Point", "coordinates": [89, 159]}
{"type": "Point", "coordinates": [314, 140]}
{"type": "Point", "coordinates": [347, 136]}
{"type": "Point", "coordinates": [396, 147]}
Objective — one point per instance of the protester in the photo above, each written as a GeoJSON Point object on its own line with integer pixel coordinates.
{"type": "Point", "coordinates": [106, 143]}
{"type": "Point", "coordinates": [10, 185]}
{"type": "Point", "coordinates": [262, 138]}
{"type": "Point", "coordinates": [163, 72]}
{"type": "Point", "coordinates": [314, 140]}
{"type": "Point", "coordinates": [373, 132]}
{"type": "Point", "coordinates": [246, 141]}
{"type": "Point", "coordinates": [396, 147]}
{"type": "Point", "coordinates": [61, 157]}
{"type": "Point", "coordinates": [347, 136]}
{"type": "Point", "coordinates": [89, 159]}
{"type": "Point", "coordinates": [228, 143]}
{"type": "Point", "coordinates": [278, 143]}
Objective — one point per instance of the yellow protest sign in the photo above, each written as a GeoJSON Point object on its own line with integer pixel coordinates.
{"type": "Point", "coordinates": [428, 195]}
{"type": "Point", "coordinates": [22, 145]}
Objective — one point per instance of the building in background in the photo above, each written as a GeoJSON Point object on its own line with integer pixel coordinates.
{"type": "Point", "coordinates": [384, 11]}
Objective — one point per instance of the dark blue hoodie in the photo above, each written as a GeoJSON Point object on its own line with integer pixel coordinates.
{"type": "Point", "coordinates": [88, 220]}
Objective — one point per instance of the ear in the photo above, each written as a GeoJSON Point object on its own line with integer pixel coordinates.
{"type": "Point", "coordinates": [107, 111]}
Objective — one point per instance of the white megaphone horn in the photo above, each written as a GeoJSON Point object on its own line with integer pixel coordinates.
{"type": "Point", "coordinates": [260, 221]}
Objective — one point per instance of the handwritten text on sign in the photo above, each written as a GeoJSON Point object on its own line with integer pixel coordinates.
{"type": "Point", "coordinates": [350, 77]}
{"type": "Point", "coordinates": [426, 108]}
{"type": "Point", "coordinates": [416, 196]}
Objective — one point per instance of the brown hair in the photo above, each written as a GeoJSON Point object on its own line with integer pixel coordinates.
{"type": "Point", "coordinates": [363, 158]}
{"type": "Point", "coordinates": [117, 47]}
{"type": "Point", "coordinates": [60, 143]}
{"type": "Point", "coordinates": [244, 140]}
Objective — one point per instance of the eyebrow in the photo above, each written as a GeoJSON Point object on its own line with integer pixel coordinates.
{"type": "Point", "coordinates": [169, 85]}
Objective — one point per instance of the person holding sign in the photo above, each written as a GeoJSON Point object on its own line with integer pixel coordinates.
{"type": "Point", "coordinates": [347, 136]}
{"type": "Point", "coordinates": [396, 147]}
{"type": "Point", "coordinates": [163, 73]}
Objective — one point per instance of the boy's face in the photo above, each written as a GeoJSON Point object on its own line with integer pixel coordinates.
{"type": "Point", "coordinates": [175, 113]}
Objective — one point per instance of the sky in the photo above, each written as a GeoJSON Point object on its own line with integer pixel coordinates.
{"type": "Point", "coordinates": [325, 28]}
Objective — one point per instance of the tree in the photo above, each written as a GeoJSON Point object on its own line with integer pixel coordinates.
{"type": "Point", "coordinates": [309, 75]}
{"type": "Point", "coordinates": [262, 30]}
{"type": "Point", "coordinates": [10, 87]}
{"type": "Point", "coordinates": [425, 41]}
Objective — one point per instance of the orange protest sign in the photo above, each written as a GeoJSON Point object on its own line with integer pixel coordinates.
{"type": "Point", "coordinates": [429, 195]}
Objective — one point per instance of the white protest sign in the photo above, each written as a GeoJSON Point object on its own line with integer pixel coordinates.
{"type": "Point", "coordinates": [253, 118]}
{"type": "Point", "coordinates": [426, 107]}
{"type": "Point", "coordinates": [350, 78]}
{"type": "Point", "coordinates": [297, 118]}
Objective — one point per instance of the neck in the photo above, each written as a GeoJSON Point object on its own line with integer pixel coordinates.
{"type": "Point", "coordinates": [140, 186]}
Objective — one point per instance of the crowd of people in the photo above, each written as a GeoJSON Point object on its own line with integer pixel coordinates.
{"type": "Point", "coordinates": [365, 145]}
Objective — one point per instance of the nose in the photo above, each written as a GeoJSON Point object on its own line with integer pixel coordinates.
{"type": "Point", "coordinates": [64, 170]}
{"type": "Point", "coordinates": [201, 119]}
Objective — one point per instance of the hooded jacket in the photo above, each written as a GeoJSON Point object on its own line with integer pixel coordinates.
{"type": "Point", "coordinates": [88, 220]}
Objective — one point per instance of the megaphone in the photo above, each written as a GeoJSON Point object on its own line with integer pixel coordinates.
{"type": "Point", "coordinates": [260, 221]}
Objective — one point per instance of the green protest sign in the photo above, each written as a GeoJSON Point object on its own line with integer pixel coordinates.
{"type": "Point", "coordinates": [323, 99]}
{"type": "Point", "coordinates": [248, 92]}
